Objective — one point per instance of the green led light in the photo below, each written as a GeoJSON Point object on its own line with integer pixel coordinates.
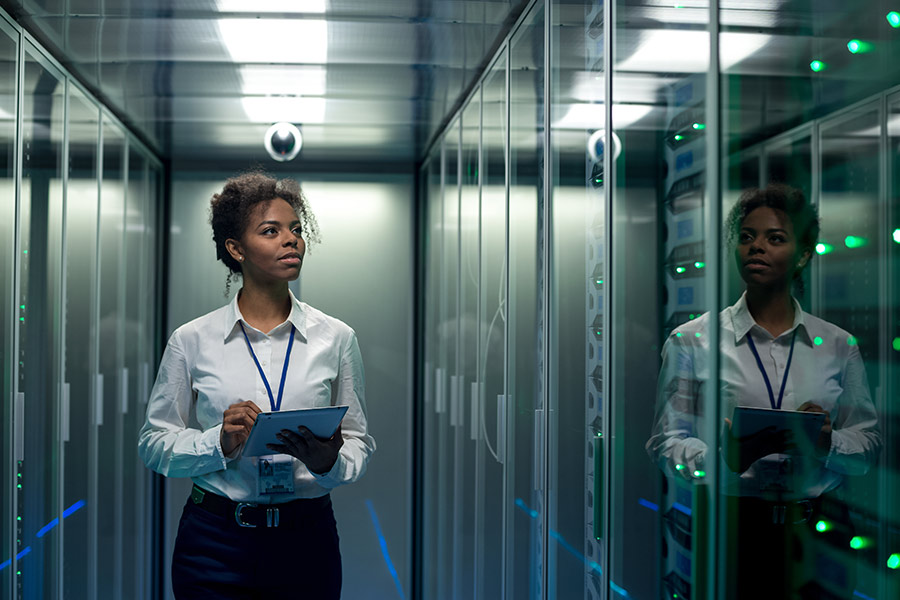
{"type": "Point", "coordinates": [896, 344]}
{"type": "Point", "coordinates": [857, 542]}
{"type": "Point", "coordinates": [19, 486]}
{"type": "Point", "coordinates": [598, 281]}
{"type": "Point", "coordinates": [699, 264]}
{"type": "Point", "coordinates": [859, 47]}
{"type": "Point", "coordinates": [893, 18]}
{"type": "Point", "coordinates": [22, 307]}
{"type": "Point", "coordinates": [22, 319]}
{"type": "Point", "coordinates": [679, 137]}
{"type": "Point", "coordinates": [817, 65]}
{"type": "Point", "coordinates": [698, 334]}
{"type": "Point", "coordinates": [699, 473]}
{"type": "Point", "coordinates": [818, 341]}
{"type": "Point", "coordinates": [24, 251]}
{"type": "Point", "coordinates": [851, 341]}
{"type": "Point", "coordinates": [893, 561]}
{"type": "Point", "coordinates": [855, 241]}
{"type": "Point", "coordinates": [679, 467]}
{"type": "Point", "coordinates": [896, 235]}
{"type": "Point", "coordinates": [18, 572]}
{"type": "Point", "coordinates": [18, 518]}
{"type": "Point", "coordinates": [679, 334]}
{"type": "Point", "coordinates": [680, 270]}
{"type": "Point", "coordinates": [823, 526]}
{"type": "Point", "coordinates": [822, 248]}
{"type": "Point", "coordinates": [692, 315]}
{"type": "Point", "coordinates": [699, 126]}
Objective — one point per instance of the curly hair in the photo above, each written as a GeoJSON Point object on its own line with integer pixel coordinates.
{"type": "Point", "coordinates": [230, 210]}
{"type": "Point", "coordinates": [803, 215]}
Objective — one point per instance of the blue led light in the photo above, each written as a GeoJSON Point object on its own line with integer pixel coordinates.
{"type": "Point", "coordinates": [73, 508]}
{"type": "Point", "coordinates": [682, 508]}
{"type": "Point", "coordinates": [21, 554]}
{"type": "Point", "coordinates": [648, 504]}
{"type": "Point", "coordinates": [43, 530]}
{"type": "Point", "coordinates": [384, 550]}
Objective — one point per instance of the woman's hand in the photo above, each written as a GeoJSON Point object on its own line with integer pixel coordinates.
{"type": "Point", "coordinates": [823, 444]}
{"type": "Point", "coordinates": [319, 455]}
{"type": "Point", "coordinates": [742, 452]}
{"type": "Point", "coordinates": [237, 421]}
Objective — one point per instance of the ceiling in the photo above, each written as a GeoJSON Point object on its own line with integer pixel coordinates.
{"type": "Point", "coordinates": [367, 81]}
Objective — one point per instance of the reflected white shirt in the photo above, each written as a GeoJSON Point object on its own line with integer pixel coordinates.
{"type": "Point", "coordinates": [207, 367]}
{"type": "Point", "coordinates": [826, 369]}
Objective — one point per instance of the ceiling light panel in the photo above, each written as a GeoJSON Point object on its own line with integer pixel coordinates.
{"type": "Point", "coordinates": [272, 6]}
{"type": "Point", "coordinates": [278, 80]}
{"type": "Point", "coordinates": [275, 40]}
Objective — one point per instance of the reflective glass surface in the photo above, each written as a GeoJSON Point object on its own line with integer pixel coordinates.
{"type": "Point", "coordinates": [8, 85]}
{"type": "Point", "coordinates": [525, 409]}
{"type": "Point", "coordinates": [39, 335]}
{"type": "Point", "coordinates": [81, 350]}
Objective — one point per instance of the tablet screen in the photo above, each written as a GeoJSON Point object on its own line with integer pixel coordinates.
{"type": "Point", "coordinates": [322, 422]}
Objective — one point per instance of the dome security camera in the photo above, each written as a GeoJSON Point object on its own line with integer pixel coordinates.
{"type": "Point", "coordinates": [283, 141]}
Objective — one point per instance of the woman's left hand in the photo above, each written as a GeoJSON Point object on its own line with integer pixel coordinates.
{"type": "Point", "coordinates": [823, 444]}
{"type": "Point", "coordinates": [319, 455]}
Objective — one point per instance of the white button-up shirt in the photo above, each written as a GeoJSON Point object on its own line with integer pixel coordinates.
{"type": "Point", "coordinates": [826, 369]}
{"type": "Point", "coordinates": [207, 367]}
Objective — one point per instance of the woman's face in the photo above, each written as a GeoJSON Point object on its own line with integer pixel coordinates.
{"type": "Point", "coordinates": [272, 244]}
{"type": "Point", "coordinates": [767, 252]}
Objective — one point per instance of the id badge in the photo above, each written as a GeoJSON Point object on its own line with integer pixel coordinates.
{"type": "Point", "coordinates": [276, 474]}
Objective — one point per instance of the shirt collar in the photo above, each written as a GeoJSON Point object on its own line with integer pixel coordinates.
{"type": "Point", "coordinates": [742, 321]}
{"type": "Point", "coordinates": [233, 316]}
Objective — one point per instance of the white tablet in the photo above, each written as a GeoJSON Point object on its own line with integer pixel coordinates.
{"type": "Point", "coordinates": [805, 425]}
{"type": "Point", "coordinates": [322, 422]}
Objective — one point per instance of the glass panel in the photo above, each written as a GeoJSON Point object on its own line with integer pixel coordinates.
{"type": "Point", "coordinates": [82, 202]}
{"type": "Point", "coordinates": [134, 476]}
{"type": "Point", "coordinates": [8, 56]}
{"type": "Point", "coordinates": [467, 387]}
{"type": "Point", "coordinates": [432, 471]}
{"type": "Point", "coordinates": [577, 502]}
{"type": "Point", "coordinates": [40, 277]}
{"type": "Point", "coordinates": [850, 294]}
{"type": "Point", "coordinates": [659, 288]}
{"type": "Point", "coordinates": [890, 542]}
{"type": "Point", "coordinates": [110, 497]}
{"type": "Point", "coordinates": [492, 334]}
{"type": "Point", "coordinates": [821, 508]}
{"type": "Point", "coordinates": [448, 334]}
{"type": "Point", "coordinates": [524, 405]}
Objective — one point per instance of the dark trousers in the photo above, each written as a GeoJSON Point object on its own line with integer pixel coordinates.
{"type": "Point", "coordinates": [777, 554]}
{"type": "Point", "coordinates": [217, 558]}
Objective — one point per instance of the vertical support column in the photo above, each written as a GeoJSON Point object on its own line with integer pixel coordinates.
{"type": "Point", "coordinates": [542, 416]}
{"type": "Point", "coordinates": [708, 585]}
{"type": "Point", "coordinates": [604, 462]}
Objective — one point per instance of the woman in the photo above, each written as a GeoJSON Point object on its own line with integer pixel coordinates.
{"type": "Point", "coordinates": [257, 527]}
{"type": "Point", "coordinates": [772, 355]}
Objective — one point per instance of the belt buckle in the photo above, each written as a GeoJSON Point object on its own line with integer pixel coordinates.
{"type": "Point", "coordinates": [272, 517]}
{"type": "Point", "coordinates": [237, 513]}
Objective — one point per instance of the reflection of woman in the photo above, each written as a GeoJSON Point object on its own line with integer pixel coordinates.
{"type": "Point", "coordinates": [256, 527]}
{"type": "Point", "coordinates": [772, 355]}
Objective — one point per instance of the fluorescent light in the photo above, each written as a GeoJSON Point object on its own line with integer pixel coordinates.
{"type": "Point", "coordinates": [592, 116]}
{"type": "Point", "coordinates": [271, 109]}
{"type": "Point", "coordinates": [261, 80]}
{"type": "Point", "coordinates": [687, 51]}
{"type": "Point", "coordinates": [275, 40]}
{"type": "Point", "coordinates": [272, 6]}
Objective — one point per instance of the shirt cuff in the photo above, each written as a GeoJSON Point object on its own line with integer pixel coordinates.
{"type": "Point", "coordinates": [332, 478]}
{"type": "Point", "coordinates": [213, 437]}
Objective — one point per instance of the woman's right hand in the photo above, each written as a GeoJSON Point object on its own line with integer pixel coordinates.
{"type": "Point", "coordinates": [237, 421]}
{"type": "Point", "coordinates": [742, 452]}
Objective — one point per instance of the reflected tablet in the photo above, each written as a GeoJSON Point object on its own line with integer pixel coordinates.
{"type": "Point", "coordinates": [805, 425]}
{"type": "Point", "coordinates": [322, 422]}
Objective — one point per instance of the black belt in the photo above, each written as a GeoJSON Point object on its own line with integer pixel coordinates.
{"type": "Point", "coordinates": [777, 513]}
{"type": "Point", "coordinates": [250, 514]}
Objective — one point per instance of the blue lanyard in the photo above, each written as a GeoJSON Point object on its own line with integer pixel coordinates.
{"type": "Point", "coordinates": [276, 406]}
{"type": "Point", "coordinates": [766, 377]}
